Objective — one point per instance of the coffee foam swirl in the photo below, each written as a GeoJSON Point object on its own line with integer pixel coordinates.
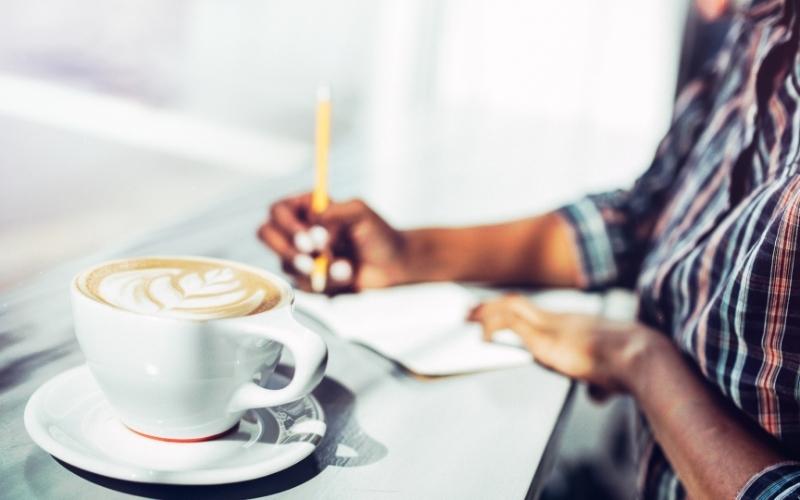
{"type": "Point", "coordinates": [188, 289]}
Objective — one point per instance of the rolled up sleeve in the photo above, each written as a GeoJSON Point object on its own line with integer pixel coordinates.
{"type": "Point", "coordinates": [614, 230]}
{"type": "Point", "coordinates": [612, 234]}
{"type": "Point", "coordinates": [776, 482]}
{"type": "Point", "coordinates": [593, 237]}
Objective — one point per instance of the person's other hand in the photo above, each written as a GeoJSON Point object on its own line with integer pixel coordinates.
{"type": "Point", "coordinates": [363, 250]}
{"type": "Point", "coordinates": [580, 346]}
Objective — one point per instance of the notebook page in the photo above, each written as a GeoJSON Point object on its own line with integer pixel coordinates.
{"type": "Point", "coordinates": [423, 327]}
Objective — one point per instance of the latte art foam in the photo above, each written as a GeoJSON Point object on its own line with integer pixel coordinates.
{"type": "Point", "coordinates": [188, 289]}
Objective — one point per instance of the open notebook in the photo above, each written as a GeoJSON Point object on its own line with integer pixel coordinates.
{"type": "Point", "coordinates": [423, 327]}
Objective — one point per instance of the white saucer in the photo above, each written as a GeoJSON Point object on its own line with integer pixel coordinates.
{"type": "Point", "coordinates": [70, 418]}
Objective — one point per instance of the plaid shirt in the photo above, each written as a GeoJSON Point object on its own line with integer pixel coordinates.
{"type": "Point", "coordinates": [708, 237]}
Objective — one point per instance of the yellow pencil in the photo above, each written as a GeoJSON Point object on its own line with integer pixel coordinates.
{"type": "Point", "coordinates": [319, 197]}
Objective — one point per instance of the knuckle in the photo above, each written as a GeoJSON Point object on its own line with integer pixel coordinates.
{"type": "Point", "coordinates": [358, 203]}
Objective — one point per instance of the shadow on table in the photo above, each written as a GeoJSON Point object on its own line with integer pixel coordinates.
{"type": "Point", "coordinates": [19, 368]}
{"type": "Point", "coordinates": [344, 445]}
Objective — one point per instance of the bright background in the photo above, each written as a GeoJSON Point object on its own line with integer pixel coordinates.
{"type": "Point", "coordinates": [119, 116]}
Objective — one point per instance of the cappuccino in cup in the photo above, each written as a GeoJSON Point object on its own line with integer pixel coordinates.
{"type": "Point", "coordinates": [174, 342]}
{"type": "Point", "coordinates": [180, 288]}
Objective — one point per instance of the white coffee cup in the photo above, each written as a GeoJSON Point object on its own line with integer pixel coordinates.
{"type": "Point", "coordinates": [186, 379]}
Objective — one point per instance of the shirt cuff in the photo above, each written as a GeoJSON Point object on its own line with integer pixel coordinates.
{"type": "Point", "coordinates": [591, 233]}
{"type": "Point", "coordinates": [778, 482]}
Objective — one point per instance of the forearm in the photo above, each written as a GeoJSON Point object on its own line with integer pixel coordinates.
{"type": "Point", "coordinates": [711, 446]}
{"type": "Point", "coordinates": [535, 251]}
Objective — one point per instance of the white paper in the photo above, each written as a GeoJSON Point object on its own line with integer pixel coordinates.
{"type": "Point", "coordinates": [424, 328]}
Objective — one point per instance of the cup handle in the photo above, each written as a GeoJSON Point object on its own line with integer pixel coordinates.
{"type": "Point", "coordinates": [310, 357]}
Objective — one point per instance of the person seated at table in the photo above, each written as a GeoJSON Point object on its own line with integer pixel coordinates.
{"type": "Point", "coordinates": [709, 239]}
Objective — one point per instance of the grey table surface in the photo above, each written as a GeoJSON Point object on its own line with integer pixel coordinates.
{"type": "Point", "coordinates": [390, 434]}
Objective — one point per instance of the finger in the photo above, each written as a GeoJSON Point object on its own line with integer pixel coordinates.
{"type": "Point", "coordinates": [490, 325]}
{"type": "Point", "coordinates": [319, 237]}
{"type": "Point", "coordinates": [535, 314]}
{"type": "Point", "coordinates": [346, 212]}
{"type": "Point", "coordinates": [284, 218]}
{"type": "Point", "coordinates": [303, 264]}
{"type": "Point", "coordinates": [475, 313]}
{"type": "Point", "coordinates": [285, 215]}
{"type": "Point", "coordinates": [491, 307]}
{"type": "Point", "coordinates": [341, 271]}
{"type": "Point", "coordinates": [277, 241]}
{"type": "Point", "coordinates": [492, 310]}
{"type": "Point", "coordinates": [302, 242]}
{"type": "Point", "coordinates": [491, 318]}
{"type": "Point", "coordinates": [524, 309]}
{"type": "Point", "coordinates": [498, 316]}
{"type": "Point", "coordinates": [332, 286]}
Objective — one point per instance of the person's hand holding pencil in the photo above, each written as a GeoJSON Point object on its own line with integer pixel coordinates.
{"type": "Point", "coordinates": [364, 251]}
{"type": "Point", "coordinates": [346, 247]}
{"type": "Point", "coordinates": [332, 247]}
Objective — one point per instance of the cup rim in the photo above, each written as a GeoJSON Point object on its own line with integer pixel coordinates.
{"type": "Point", "coordinates": [287, 291]}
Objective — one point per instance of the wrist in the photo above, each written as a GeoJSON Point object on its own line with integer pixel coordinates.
{"type": "Point", "coordinates": [414, 251]}
{"type": "Point", "coordinates": [426, 255]}
{"type": "Point", "coordinates": [644, 349]}
{"type": "Point", "coordinates": [398, 271]}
